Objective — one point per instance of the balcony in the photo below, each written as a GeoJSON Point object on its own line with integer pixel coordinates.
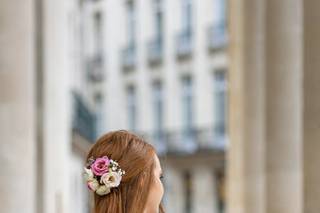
{"type": "Point", "coordinates": [83, 121]}
{"type": "Point", "coordinates": [217, 36]}
{"type": "Point", "coordinates": [155, 51]}
{"type": "Point", "coordinates": [128, 57]}
{"type": "Point", "coordinates": [186, 142]}
{"type": "Point", "coordinates": [184, 44]}
{"type": "Point", "coordinates": [189, 142]}
{"type": "Point", "coordinates": [212, 138]}
{"type": "Point", "coordinates": [182, 142]}
{"type": "Point", "coordinates": [95, 66]}
{"type": "Point", "coordinates": [158, 139]}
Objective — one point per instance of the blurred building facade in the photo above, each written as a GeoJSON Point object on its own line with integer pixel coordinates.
{"type": "Point", "coordinates": [72, 70]}
{"type": "Point", "coordinates": [166, 71]}
{"type": "Point", "coordinates": [87, 87]}
{"type": "Point", "coordinates": [52, 90]}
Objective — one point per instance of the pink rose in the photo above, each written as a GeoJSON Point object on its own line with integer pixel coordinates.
{"type": "Point", "coordinates": [100, 166]}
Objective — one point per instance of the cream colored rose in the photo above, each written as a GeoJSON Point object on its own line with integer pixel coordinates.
{"type": "Point", "coordinates": [103, 190]}
{"type": "Point", "coordinates": [88, 175]}
{"type": "Point", "coordinates": [111, 179]}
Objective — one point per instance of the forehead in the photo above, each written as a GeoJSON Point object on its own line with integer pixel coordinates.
{"type": "Point", "coordinates": [157, 163]}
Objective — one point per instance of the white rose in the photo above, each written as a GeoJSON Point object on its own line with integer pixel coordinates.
{"type": "Point", "coordinates": [103, 190]}
{"type": "Point", "coordinates": [111, 179]}
{"type": "Point", "coordinates": [88, 175]}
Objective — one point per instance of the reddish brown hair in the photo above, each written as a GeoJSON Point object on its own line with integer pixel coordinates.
{"type": "Point", "coordinates": [136, 157]}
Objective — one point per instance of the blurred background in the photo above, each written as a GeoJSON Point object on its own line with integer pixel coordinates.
{"type": "Point", "coordinates": [227, 91]}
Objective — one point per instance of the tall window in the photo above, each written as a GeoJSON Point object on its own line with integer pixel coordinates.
{"type": "Point", "coordinates": [158, 110]}
{"type": "Point", "coordinates": [158, 10]}
{"type": "Point", "coordinates": [100, 114]}
{"type": "Point", "coordinates": [187, 181]}
{"type": "Point", "coordinates": [187, 104]}
{"type": "Point", "coordinates": [187, 15]}
{"type": "Point", "coordinates": [222, 13]}
{"type": "Point", "coordinates": [131, 108]}
{"type": "Point", "coordinates": [98, 34]}
{"type": "Point", "coordinates": [219, 12]}
{"type": "Point", "coordinates": [220, 87]}
{"type": "Point", "coordinates": [95, 64]}
{"type": "Point", "coordinates": [131, 22]}
{"type": "Point", "coordinates": [220, 190]}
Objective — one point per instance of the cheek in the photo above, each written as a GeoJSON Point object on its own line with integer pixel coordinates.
{"type": "Point", "coordinates": [160, 189]}
{"type": "Point", "coordinates": [157, 191]}
{"type": "Point", "coordinates": [155, 196]}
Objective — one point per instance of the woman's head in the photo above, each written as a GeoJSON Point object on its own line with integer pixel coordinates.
{"type": "Point", "coordinates": [140, 189]}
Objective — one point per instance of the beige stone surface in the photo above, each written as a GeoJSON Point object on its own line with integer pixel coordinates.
{"type": "Point", "coordinates": [273, 107]}
{"type": "Point", "coordinates": [174, 190]}
{"type": "Point", "coordinates": [284, 106]}
{"type": "Point", "coordinates": [17, 107]}
{"type": "Point", "coordinates": [204, 190]}
{"type": "Point", "coordinates": [246, 153]}
{"type": "Point", "coordinates": [311, 121]}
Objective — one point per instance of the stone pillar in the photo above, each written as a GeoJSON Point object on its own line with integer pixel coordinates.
{"type": "Point", "coordinates": [174, 191]}
{"type": "Point", "coordinates": [17, 107]}
{"type": "Point", "coordinates": [57, 106]}
{"type": "Point", "coordinates": [311, 122]}
{"type": "Point", "coordinates": [204, 190]}
{"type": "Point", "coordinates": [245, 170]}
{"type": "Point", "coordinates": [284, 106]}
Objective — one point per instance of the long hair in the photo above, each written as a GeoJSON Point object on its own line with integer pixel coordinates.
{"type": "Point", "coordinates": [136, 158]}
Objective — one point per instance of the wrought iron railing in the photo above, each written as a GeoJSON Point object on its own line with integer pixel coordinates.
{"type": "Point", "coordinates": [189, 141]}
{"type": "Point", "coordinates": [182, 142]}
{"type": "Point", "coordinates": [212, 138]}
{"type": "Point", "coordinates": [83, 119]}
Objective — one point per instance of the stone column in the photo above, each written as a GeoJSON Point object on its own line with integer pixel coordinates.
{"type": "Point", "coordinates": [174, 190]}
{"type": "Point", "coordinates": [245, 170]}
{"type": "Point", "coordinates": [284, 106]}
{"type": "Point", "coordinates": [57, 106]}
{"type": "Point", "coordinates": [311, 120]}
{"type": "Point", "coordinates": [204, 190]}
{"type": "Point", "coordinates": [17, 107]}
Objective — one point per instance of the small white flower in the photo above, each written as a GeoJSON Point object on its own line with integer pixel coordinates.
{"type": "Point", "coordinates": [88, 175]}
{"type": "Point", "coordinates": [111, 179]}
{"type": "Point", "coordinates": [103, 190]}
{"type": "Point", "coordinates": [114, 162]}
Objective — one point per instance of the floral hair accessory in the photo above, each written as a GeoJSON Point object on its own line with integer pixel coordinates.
{"type": "Point", "coordinates": [102, 174]}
